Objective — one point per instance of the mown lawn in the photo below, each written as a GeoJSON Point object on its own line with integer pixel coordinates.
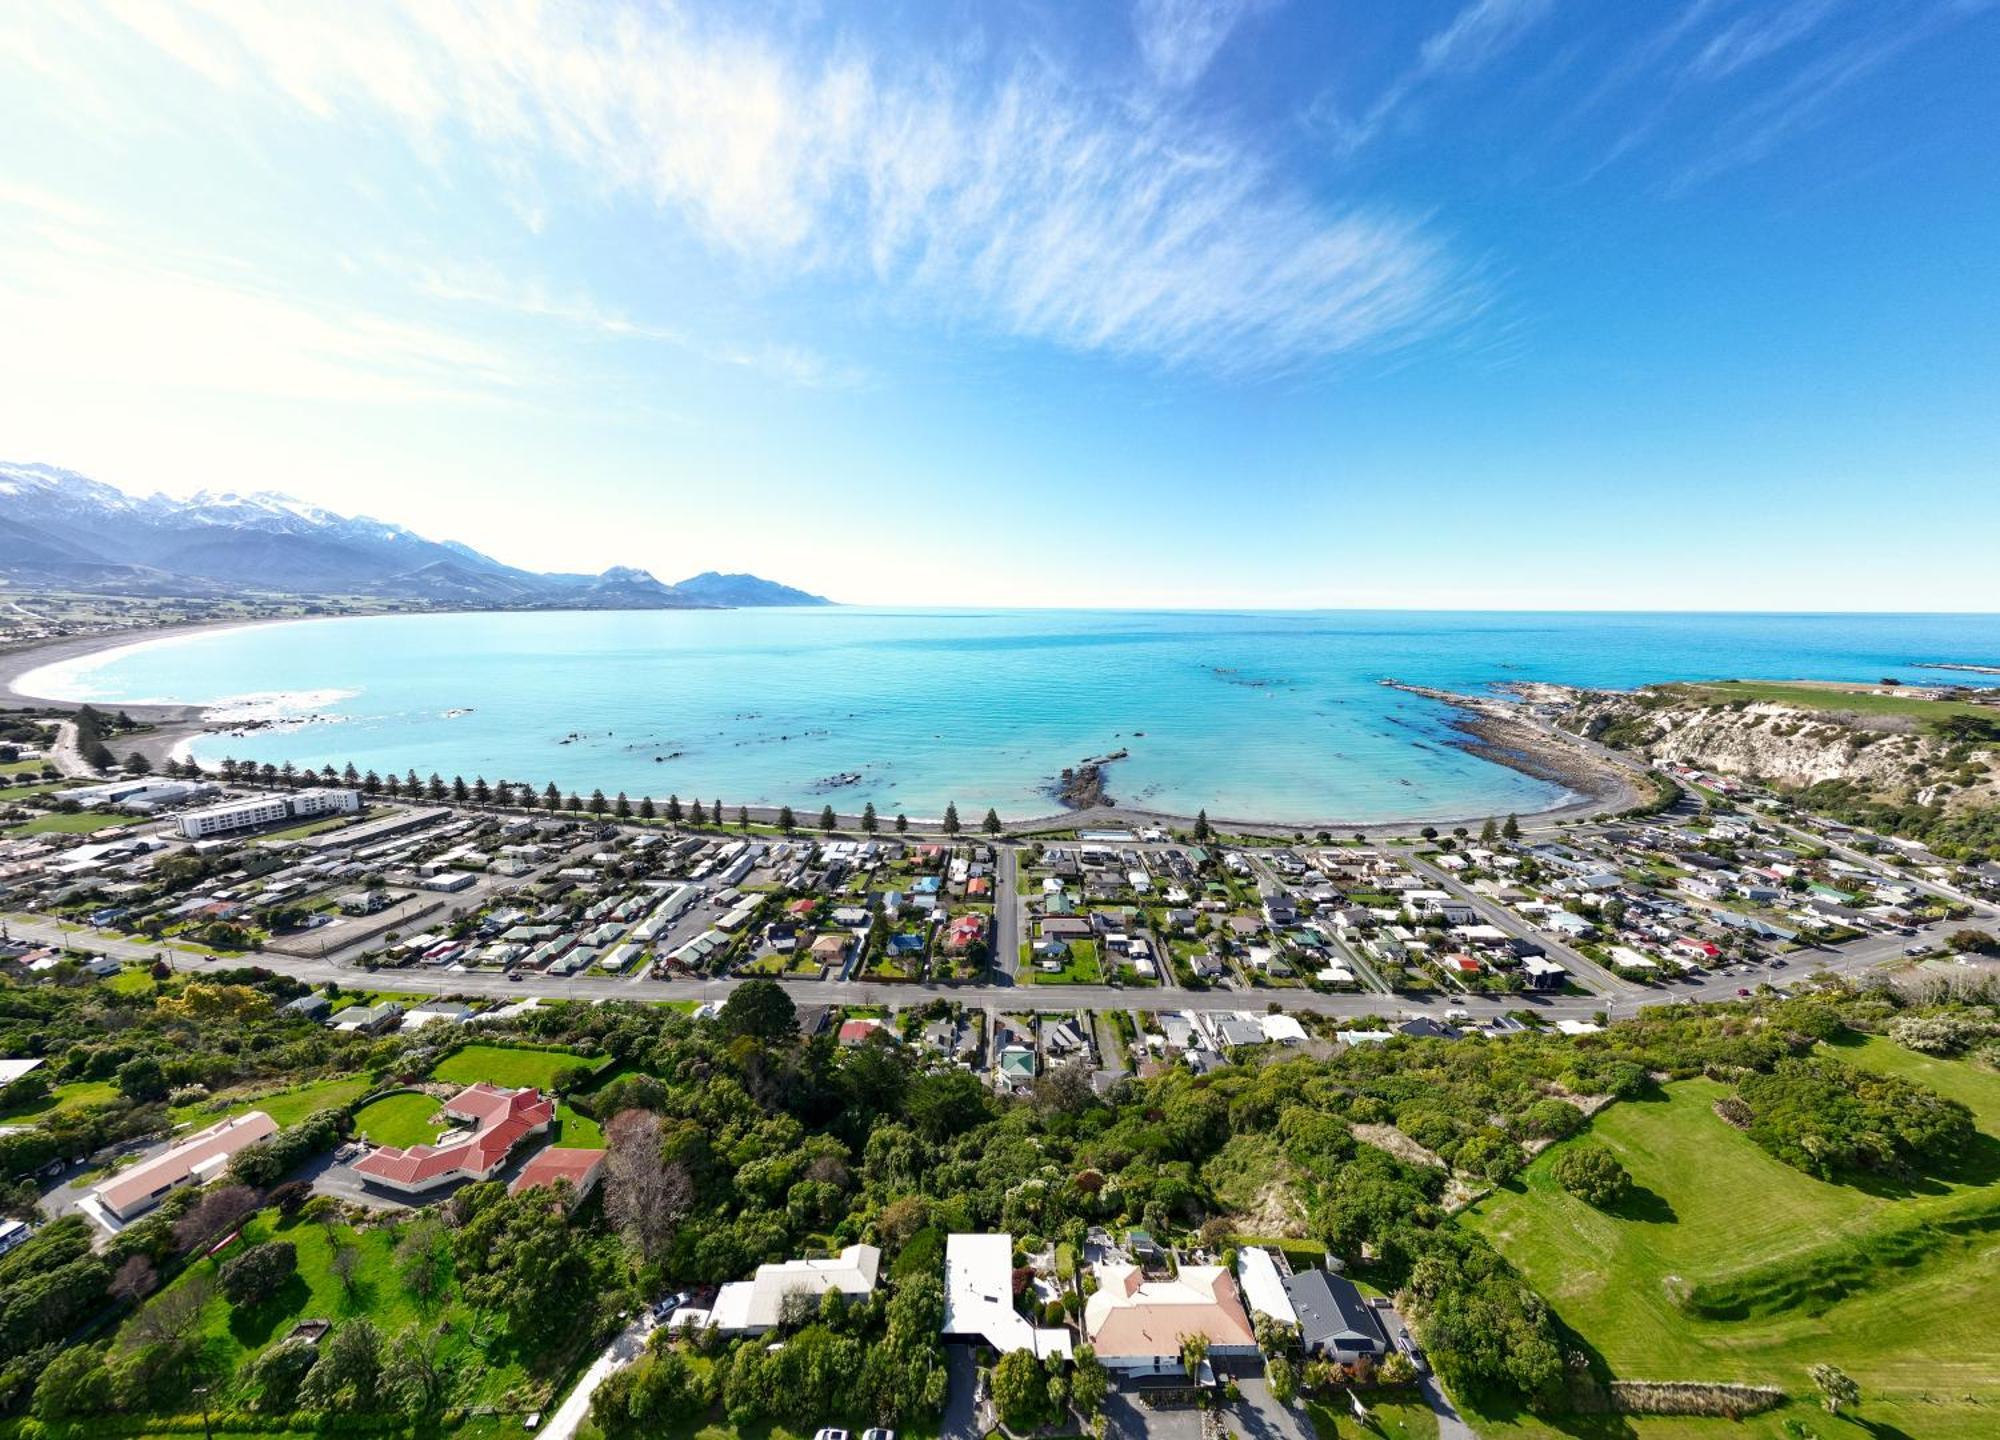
{"type": "Point", "coordinates": [408, 1117]}
{"type": "Point", "coordinates": [1079, 968]}
{"type": "Point", "coordinates": [73, 1096]}
{"type": "Point", "coordinates": [287, 1106]}
{"type": "Point", "coordinates": [132, 980]}
{"type": "Point", "coordinates": [1710, 1204]}
{"type": "Point", "coordinates": [576, 1130]}
{"type": "Point", "coordinates": [509, 1065]}
{"type": "Point", "coordinates": [83, 822]}
{"type": "Point", "coordinates": [1397, 1417]}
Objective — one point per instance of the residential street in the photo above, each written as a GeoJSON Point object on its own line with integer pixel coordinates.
{"type": "Point", "coordinates": [1041, 999]}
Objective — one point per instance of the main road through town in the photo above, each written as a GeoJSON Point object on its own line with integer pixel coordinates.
{"type": "Point", "coordinates": [1849, 959]}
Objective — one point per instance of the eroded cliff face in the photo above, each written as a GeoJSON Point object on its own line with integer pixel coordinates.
{"type": "Point", "coordinates": [1792, 746]}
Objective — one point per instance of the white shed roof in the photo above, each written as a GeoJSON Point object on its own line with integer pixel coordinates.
{"type": "Point", "coordinates": [979, 1297]}
{"type": "Point", "coordinates": [1263, 1286]}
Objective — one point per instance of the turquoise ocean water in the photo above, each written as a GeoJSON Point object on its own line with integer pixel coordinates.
{"type": "Point", "coordinates": [1273, 715]}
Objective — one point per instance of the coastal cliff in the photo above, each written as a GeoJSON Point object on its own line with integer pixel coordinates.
{"type": "Point", "coordinates": [1889, 754]}
{"type": "Point", "coordinates": [1925, 765]}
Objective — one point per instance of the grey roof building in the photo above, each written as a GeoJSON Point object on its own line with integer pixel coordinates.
{"type": "Point", "coordinates": [1333, 1318]}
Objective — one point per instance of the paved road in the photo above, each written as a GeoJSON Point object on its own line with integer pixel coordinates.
{"type": "Point", "coordinates": [1584, 970]}
{"type": "Point", "coordinates": [1043, 999]}
{"type": "Point", "coordinates": [576, 1405]}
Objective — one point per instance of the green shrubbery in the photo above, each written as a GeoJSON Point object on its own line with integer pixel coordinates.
{"type": "Point", "coordinates": [1825, 1118]}
{"type": "Point", "coordinates": [1593, 1175]}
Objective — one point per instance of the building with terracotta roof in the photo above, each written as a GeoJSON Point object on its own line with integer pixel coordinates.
{"type": "Point", "coordinates": [500, 1120]}
{"type": "Point", "coordinates": [197, 1159]}
{"type": "Point", "coordinates": [1137, 1325]}
{"type": "Point", "coordinates": [581, 1168]}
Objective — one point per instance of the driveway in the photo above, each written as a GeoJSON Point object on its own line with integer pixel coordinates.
{"type": "Point", "coordinates": [1261, 1417]}
{"type": "Point", "coordinates": [575, 1407]}
{"type": "Point", "coordinates": [961, 1405]}
{"type": "Point", "coordinates": [1126, 1419]}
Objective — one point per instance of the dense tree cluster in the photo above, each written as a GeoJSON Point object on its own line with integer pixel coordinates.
{"type": "Point", "coordinates": [1826, 1118]}
{"type": "Point", "coordinates": [1593, 1175]}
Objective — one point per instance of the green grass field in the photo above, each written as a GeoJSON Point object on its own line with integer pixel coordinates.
{"type": "Point", "coordinates": [1833, 697]}
{"type": "Point", "coordinates": [1911, 1324]}
{"type": "Point", "coordinates": [508, 1065]}
{"type": "Point", "coordinates": [132, 980]}
{"type": "Point", "coordinates": [83, 822]}
{"type": "Point", "coordinates": [73, 1096]}
{"type": "Point", "coordinates": [407, 1117]}
{"type": "Point", "coordinates": [287, 1106]}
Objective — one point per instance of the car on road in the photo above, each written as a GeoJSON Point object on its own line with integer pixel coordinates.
{"type": "Point", "coordinates": [829, 1435]}
{"type": "Point", "coordinates": [1742, 992]}
{"type": "Point", "coordinates": [1916, 951]}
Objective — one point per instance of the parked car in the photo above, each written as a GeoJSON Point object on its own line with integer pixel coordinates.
{"type": "Point", "coordinates": [829, 1435]}
{"type": "Point", "coordinates": [878, 1433]}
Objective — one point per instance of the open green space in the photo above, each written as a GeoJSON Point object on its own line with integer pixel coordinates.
{"type": "Point", "coordinates": [287, 1106]}
{"type": "Point", "coordinates": [132, 980]}
{"type": "Point", "coordinates": [22, 790]}
{"type": "Point", "coordinates": [1079, 967]}
{"type": "Point", "coordinates": [404, 1118]}
{"type": "Point", "coordinates": [1896, 1285]}
{"type": "Point", "coordinates": [234, 1334]}
{"type": "Point", "coordinates": [76, 1095]}
{"type": "Point", "coordinates": [510, 1065]}
{"type": "Point", "coordinates": [83, 822]}
{"type": "Point", "coordinates": [1393, 1416]}
{"type": "Point", "coordinates": [306, 827]}
{"type": "Point", "coordinates": [1833, 697]}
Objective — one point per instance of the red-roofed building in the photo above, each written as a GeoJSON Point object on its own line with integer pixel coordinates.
{"type": "Point", "coordinates": [580, 1167]}
{"type": "Point", "coordinates": [966, 931]}
{"type": "Point", "coordinates": [860, 1032]}
{"type": "Point", "coordinates": [500, 1120]}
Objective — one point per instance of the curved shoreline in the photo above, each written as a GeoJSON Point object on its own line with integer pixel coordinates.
{"type": "Point", "coordinates": [1591, 785]}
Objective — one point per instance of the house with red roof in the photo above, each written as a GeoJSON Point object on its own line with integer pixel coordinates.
{"type": "Point", "coordinates": [966, 931]}
{"type": "Point", "coordinates": [581, 1168]}
{"type": "Point", "coordinates": [499, 1120]}
{"type": "Point", "coordinates": [860, 1032]}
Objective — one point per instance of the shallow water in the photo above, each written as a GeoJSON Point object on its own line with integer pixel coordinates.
{"type": "Point", "coordinates": [1275, 715]}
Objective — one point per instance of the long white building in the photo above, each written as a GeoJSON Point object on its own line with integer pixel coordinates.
{"type": "Point", "coordinates": [258, 810]}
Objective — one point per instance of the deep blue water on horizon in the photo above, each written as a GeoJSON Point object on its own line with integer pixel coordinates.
{"type": "Point", "coordinates": [1248, 714]}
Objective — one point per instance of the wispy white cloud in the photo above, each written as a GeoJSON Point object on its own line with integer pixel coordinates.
{"type": "Point", "coordinates": [1478, 34]}
{"type": "Point", "coordinates": [1011, 200]}
{"type": "Point", "coordinates": [1178, 38]}
{"type": "Point", "coordinates": [1751, 38]}
{"type": "Point", "coordinates": [1481, 31]}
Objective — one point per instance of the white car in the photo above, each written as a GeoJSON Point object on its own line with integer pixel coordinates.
{"type": "Point", "coordinates": [878, 1434]}
{"type": "Point", "coordinates": [829, 1435]}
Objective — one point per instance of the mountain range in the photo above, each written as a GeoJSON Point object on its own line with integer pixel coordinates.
{"type": "Point", "coordinates": [61, 529]}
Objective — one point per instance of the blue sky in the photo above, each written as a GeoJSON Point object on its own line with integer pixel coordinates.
{"type": "Point", "coordinates": [1485, 303]}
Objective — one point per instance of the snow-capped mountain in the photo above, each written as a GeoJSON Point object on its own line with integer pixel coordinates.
{"type": "Point", "coordinates": [61, 528]}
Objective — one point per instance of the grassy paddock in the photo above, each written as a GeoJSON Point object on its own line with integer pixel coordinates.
{"type": "Point", "coordinates": [1895, 1286]}
{"type": "Point", "coordinates": [1854, 700]}
{"type": "Point", "coordinates": [509, 1065]}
